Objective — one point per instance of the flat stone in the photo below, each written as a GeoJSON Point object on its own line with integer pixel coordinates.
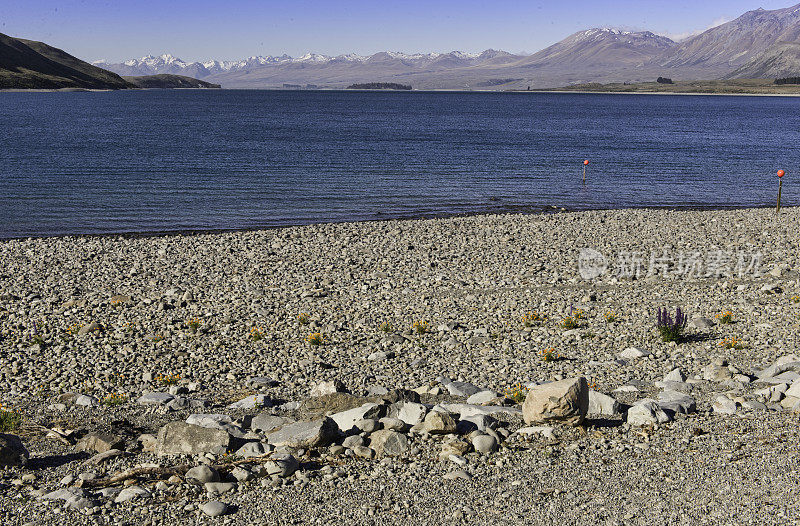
{"type": "Point", "coordinates": [466, 410]}
{"type": "Point", "coordinates": [482, 397]}
{"type": "Point", "coordinates": [180, 438]}
{"type": "Point", "coordinates": [458, 474]}
{"type": "Point", "coordinates": [251, 402]}
{"type": "Point", "coordinates": [460, 388]}
{"type": "Point", "coordinates": [346, 420]}
{"type": "Point", "coordinates": [216, 421]}
{"type": "Point", "coordinates": [266, 423]}
{"type": "Point", "coordinates": [411, 413]}
{"type": "Point", "coordinates": [326, 388]}
{"type": "Point", "coordinates": [701, 323]}
{"type": "Point", "coordinates": [545, 431]}
{"type": "Point", "coordinates": [305, 434]}
{"type": "Point", "coordinates": [99, 442]}
{"type": "Point", "coordinates": [155, 399]}
{"type": "Point", "coordinates": [633, 353]}
{"type": "Point", "coordinates": [794, 389]}
{"type": "Point", "coordinates": [132, 492]}
{"type": "Point", "coordinates": [565, 401]}
{"type": "Point", "coordinates": [214, 508]}
{"type": "Point", "coordinates": [253, 449]}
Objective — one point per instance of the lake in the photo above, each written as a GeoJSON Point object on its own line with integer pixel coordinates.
{"type": "Point", "coordinates": [155, 161]}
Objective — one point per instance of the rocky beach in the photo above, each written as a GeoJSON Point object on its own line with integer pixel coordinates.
{"type": "Point", "coordinates": [468, 370]}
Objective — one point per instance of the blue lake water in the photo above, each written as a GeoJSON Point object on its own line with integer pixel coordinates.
{"type": "Point", "coordinates": [151, 161]}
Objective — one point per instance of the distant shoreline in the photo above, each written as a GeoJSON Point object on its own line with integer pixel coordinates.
{"type": "Point", "coordinates": [552, 209]}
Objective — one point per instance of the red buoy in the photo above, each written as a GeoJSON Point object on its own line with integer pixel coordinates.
{"type": "Point", "coordinates": [781, 173]}
{"type": "Point", "coordinates": [587, 162]}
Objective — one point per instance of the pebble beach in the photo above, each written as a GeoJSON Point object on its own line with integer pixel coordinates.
{"type": "Point", "coordinates": [469, 370]}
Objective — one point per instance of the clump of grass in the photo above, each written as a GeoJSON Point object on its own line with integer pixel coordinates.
{"type": "Point", "coordinates": [725, 318]}
{"type": "Point", "coordinates": [387, 327]}
{"type": "Point", "coordinates": [517, 393]}
{"type": "Point", "coordinates": [193, 324]}
{"type": "Point", "coordinates": [549, 355]}
{"type": "Point", "coordinates": [533, 318]}
{"type": "Point", "coordinates": [73, 330]}
{"type": "Point", "coordinates": [795, 299]}
{"type": "Point", "coordinates": [256, 334]}
{"type": "Point", "coordinates": [10, 419]}
{"type": "Point", "coordinates": [420, 327]}
{"type": "Point", "coordinates": [113, 399]}
{"type": "Point", "coordinates": [304, 318]}
{"type": "Point", "coordinates": [610, 316]}
{"type": "Point", "coordinates": [316, 339]}
{"type": "Point", "coordinates": [127, 327]}
{"type": "Point", "coordinates": [38, 340]}
{"type": "Point", "coordinates": [168, 379]}
{"type": "Point", "coordinates": [157, 338]}
{"type": "Point", "coordinates": [731, 343]}
{"type": "Point", "coordinates": [671, 330]}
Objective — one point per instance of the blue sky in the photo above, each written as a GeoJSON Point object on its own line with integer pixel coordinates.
{"type": "Point", "coordinates": [202, 29]}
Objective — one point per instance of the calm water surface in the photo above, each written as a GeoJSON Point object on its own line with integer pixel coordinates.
{"type": "Point", "coordinates": [147, 161]}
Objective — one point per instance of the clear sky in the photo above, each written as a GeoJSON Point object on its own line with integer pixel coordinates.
{"type": "Point", "coordinates": [201, 29]}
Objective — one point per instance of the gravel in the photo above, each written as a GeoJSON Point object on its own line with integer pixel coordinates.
{"type": "Point", "coordinates": [112, 338]}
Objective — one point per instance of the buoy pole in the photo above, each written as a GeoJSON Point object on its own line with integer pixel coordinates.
{"type": "Point", "coordinates": [585, 163]}
{"type": "Point", "coordinates": [781, 173]}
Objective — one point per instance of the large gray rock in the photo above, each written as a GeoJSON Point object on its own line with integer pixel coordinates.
{"type": "Point", "coordinates": [388, 443]}
{"type": "Point", "coordinates": [180, 438]}
{"type": "Point", "coordinates": [266, 423]}
{"type": "Point", "coordinates": [459, 388]}
{"type": "Point", "coordinates": [75, 498]}
{"type": "Point", "coordinates": [216, 421]}
{"type": "Point", "coordinates": [411, 413]}
{"type": "Point", "coordinates": [602, 404]}
{"type": "Point", "coordinates": [326, 388]}
{"type": "Point", "coordinates": [646, 412]}
{"type": "Point", "coordinates": [346, 420]}
{"type": "Point", "coordinates": [12, 452]}
{"type": "Point", "coordinates": [484, 443]}
{"type": "Point", "coordinates": [564, 401]}
{"type": "Point", "coordinates": [252, 402]}
{"type": "Point", "coordinates": [676, 402]}
{"type": "Point", "coordinates": [305, 434]}
{"type": "Point", "coordinates": [132, 492]}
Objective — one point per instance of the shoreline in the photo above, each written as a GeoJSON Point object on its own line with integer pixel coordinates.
{"type": "Point", "coordinates": [550, 210]}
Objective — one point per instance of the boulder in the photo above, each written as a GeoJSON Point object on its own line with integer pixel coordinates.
{"type": "Point", "coordinates": [266, 423]}
{"type": "Point", "coordinates": [564, 401]}
{"type": "Point", "coordinates": [282, 465]}
{"type": "Point", "coordinates": [326, 388]}
{"type": "Point", "coordinates": [180, 438]}
{"type": "Point", "coordinates": [199, 475]}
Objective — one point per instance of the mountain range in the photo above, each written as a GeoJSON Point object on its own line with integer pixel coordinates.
{"type": "Point", "coordinates": [758, 43]}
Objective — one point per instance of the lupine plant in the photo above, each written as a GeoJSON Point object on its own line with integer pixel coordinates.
{"type": "Point", "coordinates": [671, 329]}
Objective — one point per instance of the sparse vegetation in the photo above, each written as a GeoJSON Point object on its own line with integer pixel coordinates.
{"type": "Point", "coordinates": [671, 330]}
{"type": "Point", "coordinates": [304, 318]}
{"type": "Point", "coordinates": [517, 393]}
{"type": "Point", "coordinates": [731, 343]}
{"type": "Point", "coordinates": [725, 318]}
{"type": "Point", "coordinates": [316, 339]}
{"type": "Point", "coordinates": [420, 327]}
{"type": "Point", "coordinates": [387, 327]}
{"type": "Point", "coordinates": [610, 317]}
{"type": "Point", "coordinates": [10, 419]}
{"type": "Point", "coordinates": [549, 355]}
{"type": "Point", "coordinates": [167, 379]}
{"type": "Point", "coordinates": [533, 318]}
{"type": "Point", "coordinates": [114, 399]}
{"type": "Point", "coordinates": [256, 334]}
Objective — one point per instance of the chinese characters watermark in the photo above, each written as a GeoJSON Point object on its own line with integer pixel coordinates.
{"type": "Point", "coordinates": [712, 263]}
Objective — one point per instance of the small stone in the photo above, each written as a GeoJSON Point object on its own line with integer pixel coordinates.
{"type": "Point", "coordinates": [458, 474]}
{"type": "Point", "coordinates": [218, 488]}
{"type": "Point", "coordinates": [130, 493]}
{"type": "Point", "coordinates": [411, 413]}
{"type": "Point", "coordinates": [214, 508]}
{"type": "Point", "coordinates": [99, 442]}
{"type": "Point", "coordinates": [602, 404]}
{"type": "Point", "coordinates": [633, 353]}
{"type": "Point", "coordinates": [484, 444]}
{"type": "Point", "coordinates": [201, 474]}
{"type": "Point", "coordinates": [330, 387]}
{"type": "Point", "coordinates": [389, 443]}
{"type": "Point", "coordinates": [646, 412]}
{"type": "Point", "coordinates": [724, 405]}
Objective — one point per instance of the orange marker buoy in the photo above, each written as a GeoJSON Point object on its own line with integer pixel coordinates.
{"type": "Point", "coordinates": [781, 173]}
{"type": "Point", "coordinates": [585, 163]}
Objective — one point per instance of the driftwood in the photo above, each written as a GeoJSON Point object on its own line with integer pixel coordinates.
{"type": "Point", "coordinates": [159, 472]}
